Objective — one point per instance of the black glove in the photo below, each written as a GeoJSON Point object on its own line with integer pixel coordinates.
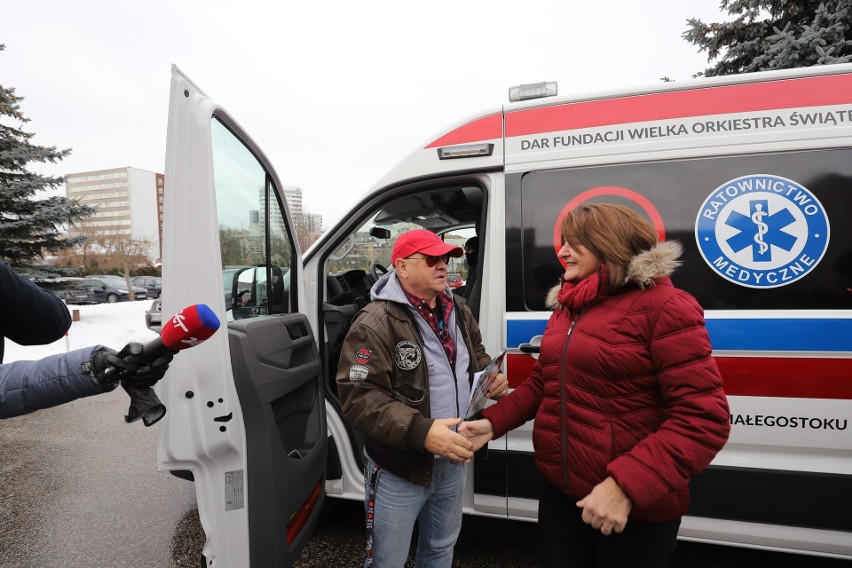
{"type": "Point", "coordinates": [144, 404]}
{"type": "Point", "coordinates": [109, 368]}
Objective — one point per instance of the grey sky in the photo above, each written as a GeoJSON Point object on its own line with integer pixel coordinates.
{"type": "Point", "coordinates": [334, 92]}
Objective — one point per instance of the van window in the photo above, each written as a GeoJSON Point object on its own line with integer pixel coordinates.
{"type": "Point", "coordinates": [257, 247]}
{"type": "Point", "coordinates": [818, 181]}
{"type": "Point", "coordinates": [450, 212]}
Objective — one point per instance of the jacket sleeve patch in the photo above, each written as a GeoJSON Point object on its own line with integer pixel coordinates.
{"type": "Point", "coordinates": [358, 373]}
{"type": "Point", "coordinates": [363, 356]}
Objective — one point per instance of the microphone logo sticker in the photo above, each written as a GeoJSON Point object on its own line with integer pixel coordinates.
{"type": "Point", "coordinates": [762, 231]}
{"type": "Point", "coordinates": [178, 321]}
{"type": "Point", "coordinates": [191, 341]}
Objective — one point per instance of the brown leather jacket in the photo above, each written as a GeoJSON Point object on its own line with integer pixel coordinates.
{"type": "Point", "coordinates": [384, 398]}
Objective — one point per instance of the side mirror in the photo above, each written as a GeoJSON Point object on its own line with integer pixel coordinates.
{"type": "Point", "coordinates": [243, 293]}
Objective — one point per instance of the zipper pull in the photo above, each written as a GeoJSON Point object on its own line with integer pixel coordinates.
{"type": "Point", "coordinates": [570, 329]}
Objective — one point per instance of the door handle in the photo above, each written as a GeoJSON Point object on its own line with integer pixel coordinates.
{"type": "Point", "coordinates": [533, 347]}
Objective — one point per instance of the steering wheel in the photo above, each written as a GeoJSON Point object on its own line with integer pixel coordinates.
{"type": "Point", "coordinates": [377, 270]}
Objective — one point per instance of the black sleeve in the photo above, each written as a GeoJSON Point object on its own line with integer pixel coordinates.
{"type": "Point", "coordinates": [30, 316]}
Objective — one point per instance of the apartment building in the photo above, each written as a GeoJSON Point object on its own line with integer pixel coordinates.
{"type": "Point", "coordinates": [129, 204]}
{"type": "Point", "coordinates": [293, 195]}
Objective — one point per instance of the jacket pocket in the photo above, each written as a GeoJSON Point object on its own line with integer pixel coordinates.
{"type": "Point", "coordinates": [409, 394]}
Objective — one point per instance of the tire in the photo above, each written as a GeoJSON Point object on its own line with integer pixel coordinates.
{"type": "Point", "coordinates": [112, 298]}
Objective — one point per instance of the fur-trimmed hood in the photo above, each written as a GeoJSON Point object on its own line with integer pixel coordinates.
{"type": "Point", "coordinates": [659, 261]}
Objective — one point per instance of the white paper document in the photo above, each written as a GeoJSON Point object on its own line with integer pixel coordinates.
{"type": "Point", "coordinates": [481, 383]}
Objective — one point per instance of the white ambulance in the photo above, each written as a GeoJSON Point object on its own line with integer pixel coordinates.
{"type": "Point", "coordinates": [751, 173]}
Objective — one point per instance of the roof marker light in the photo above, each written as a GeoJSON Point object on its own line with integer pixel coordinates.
{"type": "Point", "coordinates": [532, 91]}
{"type": "Point", "coordinates": [467, 151]}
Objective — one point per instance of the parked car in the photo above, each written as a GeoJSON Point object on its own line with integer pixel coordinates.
{"type": "Point", "coordinates": [111, 289]}
{"type": "Point", "coordinates": [153, 284]}
{"type": "Point", "coordinates": [154, 316]}
{"type": "Point", "coordinates": [72, 290]}
{"type": "Point", "coordinates": [454, 280]}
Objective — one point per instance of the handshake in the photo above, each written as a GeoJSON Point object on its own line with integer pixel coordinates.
{"type": "Point", "coordinates": [458, 445]}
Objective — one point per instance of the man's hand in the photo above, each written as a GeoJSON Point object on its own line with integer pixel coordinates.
{"type": "Point", "coordinates": [110, 367]}
{"type": "Point", "coordinates": [442, 441]}
{"type": "Point", "coordinates": [498, 388]}
{"type": "Point", "coordinates": [606, 507]}
{"type": "Point", "coordinates": [479, 432]}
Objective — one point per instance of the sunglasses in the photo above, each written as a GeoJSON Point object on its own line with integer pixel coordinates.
{"type": "Point", "coordinates": [431, 260]}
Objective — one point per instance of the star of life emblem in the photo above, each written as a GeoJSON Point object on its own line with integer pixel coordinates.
{"type": "Point", "coordinates": [762, 231]}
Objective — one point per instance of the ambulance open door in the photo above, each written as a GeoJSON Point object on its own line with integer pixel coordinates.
{"type": "Point", "coordinates": [246, 414]}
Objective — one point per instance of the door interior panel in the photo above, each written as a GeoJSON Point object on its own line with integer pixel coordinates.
{"type": "Point", "coordinates": [277, 373]}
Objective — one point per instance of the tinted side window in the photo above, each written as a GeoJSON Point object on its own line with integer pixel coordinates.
{"type": "Point", "coordinates": [677, 191]}
{"type": "Point", "coordinates": [254, 234]}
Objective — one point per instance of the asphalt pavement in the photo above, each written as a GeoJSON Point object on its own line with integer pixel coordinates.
{"type": "Point", "coordinates": [79, 488]}
{"type": "Point", "coordinates": [497, 543]}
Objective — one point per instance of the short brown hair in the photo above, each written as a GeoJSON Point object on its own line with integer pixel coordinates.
{"type": "Point", "coordinates": [613, 232]}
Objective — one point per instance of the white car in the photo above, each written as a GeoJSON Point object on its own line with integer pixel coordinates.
{"type": "Point", "coordinates": [154, 316]}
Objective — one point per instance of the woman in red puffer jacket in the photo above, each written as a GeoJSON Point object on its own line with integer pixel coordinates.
{"type": "Point", "coordinates": [627, 399]}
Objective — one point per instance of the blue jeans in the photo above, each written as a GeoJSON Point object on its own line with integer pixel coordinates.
{"type": "Point", "coordinates": [399, 503]}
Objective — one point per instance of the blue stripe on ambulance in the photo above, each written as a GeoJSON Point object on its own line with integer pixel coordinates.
{"type": "Point", "coordinates": [782, 334]}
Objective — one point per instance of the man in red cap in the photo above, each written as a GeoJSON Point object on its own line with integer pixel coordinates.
{"type": "Point", "coordinates": [404, 380]}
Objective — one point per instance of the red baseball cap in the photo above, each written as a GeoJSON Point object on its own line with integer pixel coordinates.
{"type": "Point", "coordinates": [425, 242]}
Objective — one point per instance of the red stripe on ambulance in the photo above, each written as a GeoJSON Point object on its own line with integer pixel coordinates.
{"type": "Point", "coordinates": [753, 376]}
{"type": "Point", "coordinates": [790, 378]}
{"type": "Point", "coordinates": [795, 93]}
{"type": "Point", "coordinates": [486, 128]}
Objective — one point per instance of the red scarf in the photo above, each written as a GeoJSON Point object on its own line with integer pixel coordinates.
{"type": "Point", "coordinates": [577, 295]}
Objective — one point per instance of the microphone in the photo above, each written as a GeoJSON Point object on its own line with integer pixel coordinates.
{"type": "Point", "coordinates": [187, 328]}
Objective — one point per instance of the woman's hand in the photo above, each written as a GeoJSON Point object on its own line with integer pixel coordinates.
{"type": "Point", "coordinates": [498, 388]}
{"type": "Point", "coordinates": [606, 507]}
{"type": "Point", "coordinates": [477, 431]}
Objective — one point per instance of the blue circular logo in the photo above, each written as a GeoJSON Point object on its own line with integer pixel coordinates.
{"type": "Point", "coordinates": [762, 231]}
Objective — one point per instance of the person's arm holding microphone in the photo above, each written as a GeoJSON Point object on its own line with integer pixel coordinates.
{"type": "Point", "coordinates": [27, 386]}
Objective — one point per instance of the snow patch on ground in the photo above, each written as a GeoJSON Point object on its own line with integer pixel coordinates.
{"type": "Point", "coordinates": [112, 325]}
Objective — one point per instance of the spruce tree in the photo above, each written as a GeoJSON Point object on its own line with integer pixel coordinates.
{"type": "Point", "coordinates": [775, 34]}
{"type": "Point", "coordinates": [30, 227]}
